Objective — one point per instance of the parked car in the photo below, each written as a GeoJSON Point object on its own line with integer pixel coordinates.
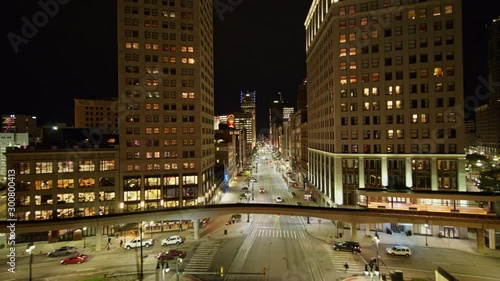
{"type": "Point", "coordinates": [349, 246]}
{"type": "Point", "coordinates": [63, 251]}
{"type": "Point", "coordinates": [137, 243]}
{"type": "Point", "coordinates": [399, 251]}
{"type": "Point", "coordinates": [172, 240]}
{"type": "Point", "coordinates": [279, 199]}
{"type": "Point", "coordinates": [170, 254]}
{"type": "Point", "coordinates": [77, 258]}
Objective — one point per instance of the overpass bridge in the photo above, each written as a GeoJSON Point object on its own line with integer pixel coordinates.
{"type": "Point", "coordinates": [353, 215]}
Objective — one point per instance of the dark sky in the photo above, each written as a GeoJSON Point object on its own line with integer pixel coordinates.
{"type": "Point", "coordinates": [259, 46]}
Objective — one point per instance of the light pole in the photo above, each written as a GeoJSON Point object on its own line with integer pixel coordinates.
{"type": "Point", "coordinates": [83, 234]}
{"type": "Point", "coordinates": [426, 230]}
{"type": "Point", "coordinates": [378, 257]}
{"type": "Point", "coordinates": [253, 198]}
{"type": "Point", "coordinates": [30, 252]}
{"type": "Point", "coordinates": [151, 223]}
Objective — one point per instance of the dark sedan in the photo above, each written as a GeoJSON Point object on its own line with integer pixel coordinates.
{"type": "Point", "coordinates": [349, 246]}
{"type": "Point", "coordinates": [63, 251]}
{"type": "Point", "coordinates": [170, 255]}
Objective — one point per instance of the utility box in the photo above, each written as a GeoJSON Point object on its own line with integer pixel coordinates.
{"type": "Point", "coordinates": [396, 275]}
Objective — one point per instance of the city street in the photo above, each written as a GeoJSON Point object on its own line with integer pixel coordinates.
{"type": "Point", "coordinates": [284, 247]}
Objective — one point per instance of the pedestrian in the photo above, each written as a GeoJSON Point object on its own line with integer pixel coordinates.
{"type": "Point", "coordinates": [109, 240]}
{"type": "Point", "coordinates": [346, 266]}
{"type": "Point", "coordinates": [121, 243]}
{"type": "Point", "coordinates": [109, 246]}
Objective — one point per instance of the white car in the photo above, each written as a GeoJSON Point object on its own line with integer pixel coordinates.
{"type": "Point", "coordinates": [399, 251]}
{"type": "Point", "coordinates": [172, 240]}
{"type": "Point", "coordinates": [279, 199]}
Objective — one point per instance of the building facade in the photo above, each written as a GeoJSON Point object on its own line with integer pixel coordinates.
{"type": "Point", "coordinates": [165, 103]}
{"type": "Point", "coordinates": [65, 182]}
{"type": "Point", "coordinates": [97, 113]}
{"type": "Point", "coordinates": [248, 105]}
{"type": "Point", "coordinates": [384, 97]}
{"type": "Point", "coordinates": [487, 115]}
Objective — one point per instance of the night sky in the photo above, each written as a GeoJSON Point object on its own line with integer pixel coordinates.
{"type": "Point", "coordinates": [258, 46]}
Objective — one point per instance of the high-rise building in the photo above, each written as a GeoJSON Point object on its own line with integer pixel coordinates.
{"type": "Point", "coordinates": [487, 115]}
{"type": "Point", "coordinates": [165, 103]}
{"type": "Point", "coordinates": [248, 103]}
{"type": "Point", "coordinates": [384, 97]}
{"type": "Point", "coordinates": [97, 113]}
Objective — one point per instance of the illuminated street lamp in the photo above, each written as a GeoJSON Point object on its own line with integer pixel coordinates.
{"type": "Point", "coordinates": [30, 252]}
{"type": "Point", "coordinates": [83, 234]}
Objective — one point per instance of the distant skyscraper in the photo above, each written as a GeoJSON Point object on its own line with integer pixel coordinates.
{"type": "Point", "coordinates": [384, 97]}
{"type": "Point", "coordinates": [488, 115]}
{"type": "Point", "coordinates": [165, 103]}
{"type": "Point", "coordinates": [248, 105]}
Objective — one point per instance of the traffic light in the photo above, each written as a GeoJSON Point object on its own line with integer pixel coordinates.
{"type": "Point", "coordinates": [221, 271]}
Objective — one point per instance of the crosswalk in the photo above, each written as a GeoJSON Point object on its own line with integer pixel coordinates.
{"type": "Point", "coordinates": [340, 258]}
{"type": "Point", "coordinates": [280, 233]}
{"type": "Point", "coordinates": [202, 257]}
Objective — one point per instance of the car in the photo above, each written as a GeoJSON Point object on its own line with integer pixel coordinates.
{"type": "Point", "coordinates": [349, 246]}
{"type": "Point", "coordinates": [172, 240]}
{"type": "Point", "coordinates": [170, 254]}
{"type": "Point", "coordinates": [279, 199]}
{"type": "Point", "coordinates": [254, 180]}
{"type": "Point", "coordinates": [262, 190]}
{"type": "Point", "coordinates": [76, 258]}
{"type": "Point", "coordinates": [399, 251]}
{"type": "Point", "coordinates": [62, 251]}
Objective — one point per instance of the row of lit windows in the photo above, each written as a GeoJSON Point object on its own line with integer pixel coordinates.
{"type": "Point", "coordinates": [398, 134]}
{"type": "Point", "coordinates": [155, 106]}
{"type": "Point", "coordinates": [398, 30]}
{"type": "Point", "coordinates": [398, 148]}
{"type": "Point", "coordinates": [398, 104]}
{"type": "Point", "coordinates": [411, 14]}
{"type": "Point", "coordinates": [399, 164]}
{"type": "Point", "coordinates": [165, 95]}
{"type": "Point", "coordinates": [66, 198]}
{"type": "Point", "coordinates": [64, 166]}
{"type": "Point", "coordinates": [389, 75]}
{"type": "Point", "coordinates": [422, 118]}
{"type": "Point", "coordinates": [157, 167]}
{"type": "Point", "coordinates": [365, 50]}
{"type": "Point", "coordinates": [156, 143]}
{"type": "Point", "coordinates": [165, 154]}
{"type": "Point", "coordinates": [168, 180]}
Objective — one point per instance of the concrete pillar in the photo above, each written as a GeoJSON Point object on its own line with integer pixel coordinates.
{"type": "Point", "coordinates": [434, 171]}
{"type": "Point", "coordinates": [361, 172]}
{"type": "Point", "coordinates": [367, 229]}
{"type": "Point", "coordinates": [461, 177]}
{"type": "Point", "coordinates": [408, 172]}
{"type": "Point", "coordinates": [339, 189]}
{"type": "Point", "coordinates": [196, 227]}
{"type": "Point", "coordinates": [384, 171]}
{"type": "Point", "coordinates": [491, 238]}
{"type": "Point", "coordinates": [481, 248]}
{"type": "Point", "coordinates": [98, 238]}
{"type": "Point", "coordinates": [354, 232]}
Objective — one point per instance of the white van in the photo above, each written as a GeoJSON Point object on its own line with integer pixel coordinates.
{"type": "Point", "coordinates": [399, 251]}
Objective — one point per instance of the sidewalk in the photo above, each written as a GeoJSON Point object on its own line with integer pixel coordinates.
{"type": "Point", "coordinates": [326, 231]}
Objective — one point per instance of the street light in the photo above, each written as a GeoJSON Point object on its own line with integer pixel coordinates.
{"type": "Point", "coordinates": [426, 230]}
{"type": "Point", "coordinates": [30, 252]}
{"type": "Point", "coordinates": [83, 234]}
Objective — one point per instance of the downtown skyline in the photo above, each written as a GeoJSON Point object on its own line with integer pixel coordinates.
{"type": "Point", "coordinates": [64, 59]}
